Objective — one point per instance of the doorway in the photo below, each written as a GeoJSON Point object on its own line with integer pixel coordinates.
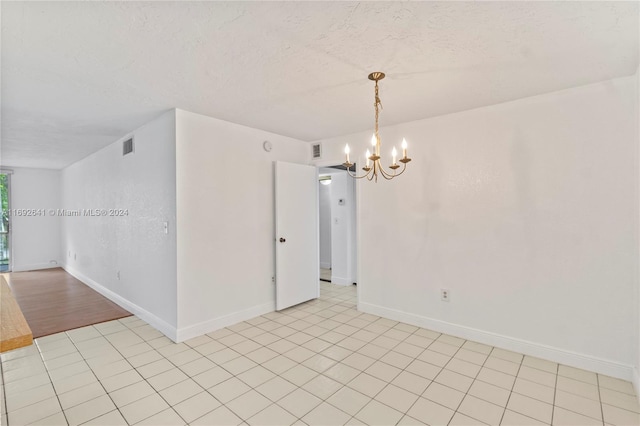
{"type": "Point", "coordinates": [5, 225]}
{"type": "Point", "coordinates": [337, 226]}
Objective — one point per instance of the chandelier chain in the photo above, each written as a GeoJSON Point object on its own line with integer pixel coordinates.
{"type": "Point", "coordinates": [377, 103]}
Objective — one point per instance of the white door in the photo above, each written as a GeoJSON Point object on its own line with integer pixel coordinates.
{"type": "Point", "coordinates": [297, 262]}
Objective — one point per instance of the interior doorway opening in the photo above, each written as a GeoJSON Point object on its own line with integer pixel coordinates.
{"type": "Point", "coordinates": [337, 226]}
{"type": "Point", "coordinates": [5, 225]}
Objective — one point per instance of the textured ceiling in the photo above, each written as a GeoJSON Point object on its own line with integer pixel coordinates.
{"type": "Point", "coordinates": [78, 75]}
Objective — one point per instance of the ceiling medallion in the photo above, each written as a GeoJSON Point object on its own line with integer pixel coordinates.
{"type": "Point", "coordinates": [373, 167]}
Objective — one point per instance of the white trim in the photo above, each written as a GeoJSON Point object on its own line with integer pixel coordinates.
{"type": "Point", "coordinates": [35, 266]}
{"type": "Point", "coordinates": [195, 330]}
{"type": "Point", "coordinates": [156, 322]}
{"type": "Point", "coordinates": [325, 265]}
{"type": "Point", "coordinates": [4, 171]}
{"type": "Point", "coordinates": [573, 359]}
{"type": "Point", "coordinates": [340, 281]}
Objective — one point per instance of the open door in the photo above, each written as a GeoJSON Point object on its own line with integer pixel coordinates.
{"type": "Point", "coordinates": [297, 261]}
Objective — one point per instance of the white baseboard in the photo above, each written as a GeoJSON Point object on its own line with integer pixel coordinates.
{"type": "Point", "coordinates": [156, 322]}
{"type": "Point", "coordinates": [195, 330]}
{"type": "Point", "coordinates": [573, 359]}
{"type": "Point", "coordinates": [34, 267]}
{"type": "Point", "coordinates": [340, 281]}
{"type": "Point", "coordinates": [325, 265]}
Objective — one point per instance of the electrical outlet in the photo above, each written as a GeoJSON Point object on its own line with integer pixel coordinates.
{"type": "Point", "coordinates": [118, 275]}
{"type": "Point", "coordinates": [444, 294]}
{"type": "Point", "coordinates": [273, 279]}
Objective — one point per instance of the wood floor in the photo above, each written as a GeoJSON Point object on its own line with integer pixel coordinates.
{"type": "Point", "coordinates": [52, 301]}
{"type": "Point", "coordinates": [14, 330]}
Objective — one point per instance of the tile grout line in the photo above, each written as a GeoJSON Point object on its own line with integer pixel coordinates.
{"type": "Point", "coordinates": [555, 388]}
{"type": "Point", "coordinates": [52, 385]}
{"type": "Point", "coordinates": [5, 411]}
{"type": "Point", "coordinates": [600, 397]}
{"type": "Point", "coordinates": [506, 404]}
{"type": "Point", "coordinates": [474, 380]}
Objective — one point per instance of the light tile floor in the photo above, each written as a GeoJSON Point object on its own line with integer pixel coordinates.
{"type": "Point", "coordinates": [319, 363]}
{"type": "Point", "coordinates": [325, 274]}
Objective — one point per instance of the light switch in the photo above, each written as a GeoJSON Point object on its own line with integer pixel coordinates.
{"type": "Point", "coordinates": [165, 226]}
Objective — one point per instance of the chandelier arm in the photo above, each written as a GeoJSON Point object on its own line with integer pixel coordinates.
{"type": "Point", "coordinates": [386, 175]}
{"type": "Point", "coordinates": [389, 176]}
{"type": "Point", "coordinates": [355, 176]}
{"type": "Point", "coordinates": [404, 167]}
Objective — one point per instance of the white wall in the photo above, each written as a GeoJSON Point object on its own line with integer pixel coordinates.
{"type": "Point", "coordinates": [636, 378]}
{"type": "Point", "coordinates": [96, 248]}
{"type": "Point", "coordinates": [526, 211]}
{"type": "Point", "coordinates": [324, 195]}
{"type": "Point", "coordinates": [225, 220]}
{"type": "Point", "coordinates": [35, 239]}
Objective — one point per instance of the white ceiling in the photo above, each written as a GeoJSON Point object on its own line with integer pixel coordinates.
{"type": "Point", "coordinates": [78, 75]}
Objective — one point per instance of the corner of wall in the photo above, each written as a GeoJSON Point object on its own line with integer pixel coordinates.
{"type": "Point", "coordinates": [156, 322]}
{"type": "Point", "coordinates": [636, 372]}
{"type": "Point", "coordinates": [195, 330]}
{"type": "Point", "coordinates": [573, 359]}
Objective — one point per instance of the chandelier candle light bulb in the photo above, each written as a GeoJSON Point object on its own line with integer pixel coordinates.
{"type": "Point", "coordinates": [373, 167]}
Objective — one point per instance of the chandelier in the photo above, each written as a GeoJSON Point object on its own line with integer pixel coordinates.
{"type": "Point", "coordinates": [373, 167]}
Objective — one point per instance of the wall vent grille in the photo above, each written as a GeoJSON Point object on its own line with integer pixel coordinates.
{"type": "Point", "coordinates": [127, 146]}
{"type": "Point", "coordinates": [317, 150]}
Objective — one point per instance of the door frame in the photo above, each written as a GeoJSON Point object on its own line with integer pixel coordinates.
{"type": "Point", "coordinates": [329, 163]}
{"type": "Point", "coordinates": [8, 173]}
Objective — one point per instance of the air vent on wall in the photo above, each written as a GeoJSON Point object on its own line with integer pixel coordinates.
{"type": "Point", "coordinates": [127, 146]}
{"type": "Point", "coordinates": [317, 150]}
